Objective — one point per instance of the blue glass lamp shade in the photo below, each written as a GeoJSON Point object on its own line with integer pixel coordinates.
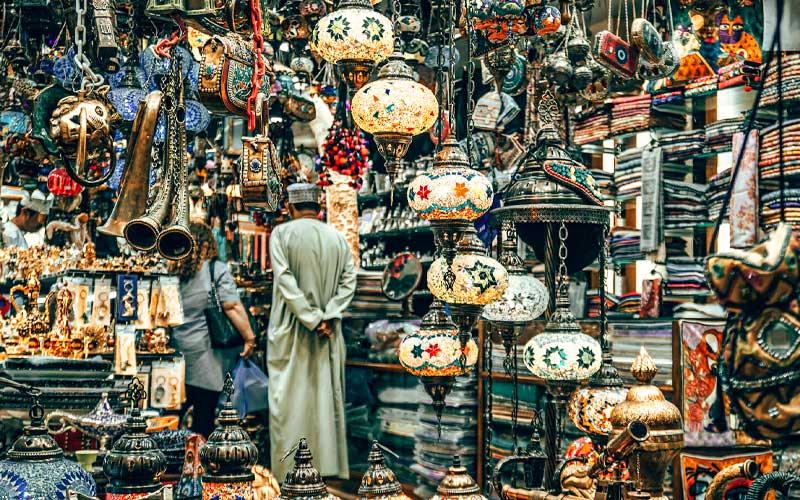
{"type": "Point", "coordinates": [197, 116]}
{"type": "Point", "coordinates": [64, 69]}
{"type": "Point", "coordinates": [14, 122]}
{"type": "Point", "coordinates": [127, 93]}
{"type": "Point", "coordinates": [154, 65]}
{"type": "Point", "coordinates": [35, 469]}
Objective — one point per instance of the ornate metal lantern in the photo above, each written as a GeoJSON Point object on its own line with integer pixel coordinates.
{"type": "Point", "coordinates": [379, 482]}
{"type": "Point", "coordinates": [458, 484]}
{"type": "Point", "coordinates": [134, 464]}
{"type": "Point", "coordinates": [394, 108]}
{"type": "Point", "coordinates": [435, 354]}
{"type": "Point", "coordinates": [304, 481]}
{"type": "Point", "coordinates": [645, 402]}
{"type": "Point", "coordinates": [355, 38]}
{"type": "Point", "coordinates": [102, 422]}
{"type": "Point", "coordinates": [228, 456]}
{"type": "Point", "coordinates": [35, 467]}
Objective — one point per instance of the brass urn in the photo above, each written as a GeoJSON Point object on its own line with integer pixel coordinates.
{"type": "Point", "coordinates": [458, 484]}
{"type": "Point", "coordinates": [304, 480]}
{"type": "Point", "coordinates": [379, 482]}
{"type": "Point", "coordinates": [648, 463]}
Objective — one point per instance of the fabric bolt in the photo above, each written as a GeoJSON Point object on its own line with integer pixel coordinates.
{"type": "Point", "coordinates": [652, 205]}
{"type": "Point", "coordinates": [744, 201]}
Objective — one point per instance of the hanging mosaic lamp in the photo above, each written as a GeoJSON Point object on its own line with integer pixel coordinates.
{"type": "Point", "coordinates": [451, 196]}
{"type": "Point", "coordinates": [379, 482]}
{"type": "Point", "coordinates": [434, 353]}
{"type": "Point", "coordinates": [590, 407]}
{"type": "Point", "coordinates": [646, 402]}
{"type": "Point", "coordinates": [35, 467]}
{"type": "Point", "coordinates": [477, 280]}
{"type": "Point", "coordinates": [394, 108]}
{"type": "Point", "coordinates": [304, 482]}
{"type": "Point", "coordinates": [134, 464]}
{"type": "Point", "coordinates": [458, 484]}
{"type": "Point", "coordinates": [525, 299]}
{"type": "Point", "coordinates": [562, 352]}
{"type": "Point", "coordinates": [354, 38]}
{"type": "Point", "coordinates": [228, 456]}
{"type": "Point", "coordinates": [125, 97]}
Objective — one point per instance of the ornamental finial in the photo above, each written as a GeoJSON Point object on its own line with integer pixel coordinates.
{"type": "Point", "coordinates": [227, 388]}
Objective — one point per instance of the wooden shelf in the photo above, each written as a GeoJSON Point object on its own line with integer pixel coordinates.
{"type": "Point", "coordinates": [386, 367]}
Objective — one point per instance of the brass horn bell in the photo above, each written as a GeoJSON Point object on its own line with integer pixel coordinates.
{"type": "Point", "coordinates": [132, 198]}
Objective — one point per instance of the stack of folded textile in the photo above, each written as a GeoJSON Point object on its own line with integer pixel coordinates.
{"type": "Point", "coordinates": [771, 208]}
{"type": "Point", "coordinates": [685, 277]}
{"type": "Point", "coordinates": [680, 146]}
{"type": "Point", "coordinates": [684, 204]}
{"type": "Point", "coordinates": [629, 303]}
{"type": "Point", "coordinates": [628, 337]}
{"type": "Point", "coordinates": [612, 303]}
{"type": "Point", "coordinates": [625, 246]}
{"type": "Point", "coordinates": [628, 173]}
{"type": "Point", "coordinates": [738, 73]}
{"type": "Point", "coordinates": [719, 134]}
{"type": "Point", "coordinates": [605, 183]}
{"type": "Point", "coordinates": [629, 114]}
{"type": "Point", "coordinates": [702, 86]}
{"type": "Point", "coordinates": [769, 152]}
{"type": "Point", "coordinates": [673, 97]}
{"type": "Point", "coordinates": [791, 80]}
{"type": "Point", "coordinates": [592, 126]}
{"type": "Point", "coordinates": [715, 195]}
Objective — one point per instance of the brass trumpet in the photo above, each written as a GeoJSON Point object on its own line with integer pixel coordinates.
{"type": "Point", "coordinates": [146, 232]}
{"type": "Point", "coordinates": [132, 199]}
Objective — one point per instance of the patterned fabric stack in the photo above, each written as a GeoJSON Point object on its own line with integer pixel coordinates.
{"type": "Point", "coordinates": [592, 126]}
{"type": "Point", "coordinates": [719, 133]}
{"type": "Point", "coordinates": [605, 183]}
{"type": "Point", "coordinates": [685, 277]}
{"type": "Point", "coordinates": [738, 73]}
{"type": "Point", "coordinates": [771, 208]}
{"type": "Point", "coordinates": [629, 303]}
{"type": "Point", "coordinates": [769, 153]}
{"type": "Point", "coordinates": [680, 146]}
{"type": "Point", "coordinates": [612, 303]}
{"type": "Point", "coordinates": [625, 246]}
{"type": "Point", "coordinates": [628, 173]}
{"type": "Point", "coordinates": [702, 86]}
{"type": "Point", "coordinates": [674, 97]}
{"type": "Point", "coordinates": [684, 204]}
{"type": "Point", "coordinates": [629, 114]}
{"type": "Point", "coordinates": [791, 80]}
{"type": "Point", "coordinates": [715, 195]}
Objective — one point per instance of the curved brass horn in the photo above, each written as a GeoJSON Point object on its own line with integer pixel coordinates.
{"type": "Point", "coordinates": [175, 242]}
{"type": "Point", "coordinates": [132, 197]}
{"type": "Point", "coordinates": [142, 232]}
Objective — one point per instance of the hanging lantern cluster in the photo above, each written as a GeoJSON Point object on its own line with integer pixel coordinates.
{"type": "Point", "coordinates": [354, 38]}
{"type": "Point", "coordinates": [394, 108]}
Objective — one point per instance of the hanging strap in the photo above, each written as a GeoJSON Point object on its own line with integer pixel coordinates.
{"type": "Point", "coordinates": [751, 125]}
{"type": "Point", "coordinates": [213, 295]}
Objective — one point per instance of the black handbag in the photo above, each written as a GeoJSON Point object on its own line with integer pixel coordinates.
{"type": "Point", "coordinates": [222, 332]}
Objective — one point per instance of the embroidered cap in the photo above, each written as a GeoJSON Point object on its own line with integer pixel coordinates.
{"type": "Point", "coordinates": [303, 193]}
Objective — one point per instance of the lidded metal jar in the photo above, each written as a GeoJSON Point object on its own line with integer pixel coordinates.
{"type": "Point", "coordinates": [304, 481]}
{"type": "Point", "coordinates": [379, 482]}
{"type": "Point", "coordinates": [228, 456]}
{"type": "Point", "coordinates": [35, 467]}
{"type": "Point", "coordinates": [648, 463]}
{"type": "Point", "coordinates": [458, 484]}
{"type": "Point", "coordinates": [134, 464]}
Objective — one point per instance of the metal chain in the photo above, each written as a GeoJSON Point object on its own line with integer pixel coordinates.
{"type": "Point", "coordinates": [259, 67]}
{"type": "Point", "coordinates": [451, 73]}
{"type": "Point", "coordinates": [470, 75]}
{"type": "Point", "coordinates": [90, 78]}
{"type": "Point", "coordinates": [562, 258]}
{"type": "Point", "coordinates": [397, 10]}
{"type": "Point", "coordinates": [605, 256]}
{"type": "Point", "coordinates": [487, 413]}
{"type": "Point", "coordinates": [439, 74]}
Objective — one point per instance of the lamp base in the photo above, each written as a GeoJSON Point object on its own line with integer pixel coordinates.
{"type": "Point", "coordinates": [355, 72]}
{"type": "Point", "coordinates": [465, 316]}
{"type": "Point", "coordinates": [447, 234]}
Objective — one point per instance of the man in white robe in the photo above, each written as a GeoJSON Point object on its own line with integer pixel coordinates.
{"type": "Point", "coordinates": [314, 279]}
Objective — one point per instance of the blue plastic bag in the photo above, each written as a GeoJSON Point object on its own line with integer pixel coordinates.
{"type": "Point", "coordinates": [249, 388]}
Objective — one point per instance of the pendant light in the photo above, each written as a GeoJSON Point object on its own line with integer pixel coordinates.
{"type": "Point", "coordinates": [134, 464]}
{"type": "Point", "coordinates": [304, 482]}
{"type": "Point", "coordinates": [394, 108]}
{"type": "Point", "coordinates": [354, 38]}
{"type": "Point", "coordinates": [434, 353]}
{"type": "Point", "coordinates": [379, 481]}
{"type": "Point", "coordinates": [228, 456]}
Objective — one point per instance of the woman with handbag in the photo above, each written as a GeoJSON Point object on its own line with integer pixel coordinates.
{"type": "Point", "coordinates": [215, 330]}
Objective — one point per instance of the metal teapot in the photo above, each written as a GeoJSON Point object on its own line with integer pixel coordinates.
{"type": "Point", "coordinates": [102, 423]}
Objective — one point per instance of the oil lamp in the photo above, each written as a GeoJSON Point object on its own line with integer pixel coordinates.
{"type": "Point", "coordinates": [134, 464]}
{"type": "Point", "coordinates": [434, 353]}
{"type": "Point", "coordinates": [355, 38]}
{"type": "Point", "coordinates": [394, 108]}
{"type": "Point", "coordinates": [458, 484]}
{"type": "Point", "coordinates": [228, 456]}
{"type": "Point", "coordinates": [379, 482]}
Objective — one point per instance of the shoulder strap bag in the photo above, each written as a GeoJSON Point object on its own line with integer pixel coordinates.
{"type": "Point", "coordinates": [222, 332]}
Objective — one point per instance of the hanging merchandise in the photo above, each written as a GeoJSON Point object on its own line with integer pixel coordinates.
{"type": "Point", "coordinates": [259, 166]}
{"type": "Point", "coordinates": [344, 154]}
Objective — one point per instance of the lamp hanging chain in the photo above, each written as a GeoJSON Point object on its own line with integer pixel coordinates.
{"type": "Point", "coordinates": [604, 258]}
{"type": "Point", "coordinates": [259, 68]}
{"type": "Point", "coordinates": [397, 11]}
{"type": "Point", "coordinates": [90, 79]}
{"type": "Point", "coordinates": [563, 278]}
{"type": "Point", "coordinates": [439, 73]}
{"type": "Point", "coordinates": [487, 412]}
{"type": "Point", "coordinates": [451, 66]}
{"type": "Point", "coordinates": [470, 76]}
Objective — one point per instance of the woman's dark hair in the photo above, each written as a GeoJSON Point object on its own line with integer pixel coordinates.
{"type": "Point", "coordinates": [205, 248]}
